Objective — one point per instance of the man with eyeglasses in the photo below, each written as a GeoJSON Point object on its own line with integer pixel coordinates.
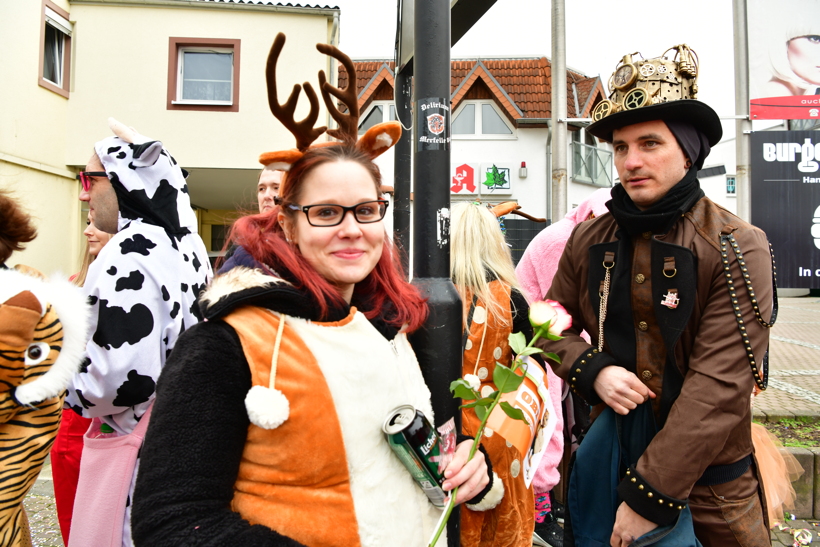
{"type": "Point", "coordinates": [143, 286]}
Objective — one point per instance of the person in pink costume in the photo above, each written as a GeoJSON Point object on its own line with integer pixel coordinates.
{"type": "Point", "coordinates": [535, 271]}
{"type": "Point", "coordinates": [539, 263]}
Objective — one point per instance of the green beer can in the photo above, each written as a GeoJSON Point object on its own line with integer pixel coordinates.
{"type": "Point", "coordinates": [418, 446]}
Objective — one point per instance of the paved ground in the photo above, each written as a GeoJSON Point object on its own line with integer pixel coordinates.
{"type": "Point", "coordinates": [794, 362]}
{"type": "Point", "coordinates": [794, 390]}
{"type": "Point", "coordinates": [786, 536]}
{"type": "Point", "coordinates": [42, 514]}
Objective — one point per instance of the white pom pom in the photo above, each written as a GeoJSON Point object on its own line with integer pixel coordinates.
{"type": "Point", "coordinates": [267, 408]}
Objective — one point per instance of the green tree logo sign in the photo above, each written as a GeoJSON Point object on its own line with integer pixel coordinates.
{"type": "Point", "coordinates": [497, 178]}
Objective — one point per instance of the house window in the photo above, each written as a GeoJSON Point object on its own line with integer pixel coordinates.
{"type": "Point", "coordinates": [373, 117]}
{"type": "Point", "coordinates": [203, 74]}
{"type": "Point", "coordinates": [219, 235]}
{"type": "Point", "coordinates": [464, 122]}
{"type": "Point", "coordinates": [55, 52]}
{"type": "Point", "coordinates": [731, 186]}
{"type": "Point", "coordinates": [491, 122]}
{"type": "Point", "coordinates": [480, 118]}
{"type": "Point", "coordinates": [590, 164]}
{"type": "Point", "coordinates": [377, 112]}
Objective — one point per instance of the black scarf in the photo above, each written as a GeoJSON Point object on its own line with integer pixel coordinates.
{"type": "Point", "coordinates": [661, 216]}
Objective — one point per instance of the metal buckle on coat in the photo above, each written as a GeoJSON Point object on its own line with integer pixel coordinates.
{"type": "Point", "coordinates": [669, 269]}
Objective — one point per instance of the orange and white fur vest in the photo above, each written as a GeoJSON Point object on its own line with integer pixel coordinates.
{"type": "Point", "coordinates": [328, 456]}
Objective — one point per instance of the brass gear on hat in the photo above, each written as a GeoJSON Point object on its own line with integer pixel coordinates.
{"type": "Point", "coordinates": [660, 88]}
{"type": "Point", "coordinates": [602, 110]}
{"type": "Point", "coordinates": [661, 79]}
{"type": "Point", "coordinates": [636, 98]}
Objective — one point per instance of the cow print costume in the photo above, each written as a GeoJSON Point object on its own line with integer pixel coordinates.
{"type": "Point", "coordinates": [143, 286]}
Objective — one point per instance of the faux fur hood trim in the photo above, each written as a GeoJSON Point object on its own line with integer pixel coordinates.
{"type": "Point", "coordinates": [72, 310]}
{"type": "Point", "coordinates": [243, 286]}
{"type": "Point", "coordinates": [233, 282]}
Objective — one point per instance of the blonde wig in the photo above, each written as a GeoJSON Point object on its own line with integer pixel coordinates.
{"type": "Point", "coordinates": [479, 253]}
{"type": "Point", "coordinates": [796, 19]}
{"type": "Point", "coordinates": [79, 279]}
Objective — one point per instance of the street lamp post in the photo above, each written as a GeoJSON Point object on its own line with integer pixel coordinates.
{"type": "Point", "coordinates": [438, 344]}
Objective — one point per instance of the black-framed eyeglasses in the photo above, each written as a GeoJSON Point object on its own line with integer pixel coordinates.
{"type": "Point", "coordinates": [85, 178]}
{"type": "Point", "coordinates": [331, 214]}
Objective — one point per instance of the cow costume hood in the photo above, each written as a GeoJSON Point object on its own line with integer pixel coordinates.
{"type": "Point", "coordinates": [143, 285]}
{"type": "Point", "coordinates": [150, 186]}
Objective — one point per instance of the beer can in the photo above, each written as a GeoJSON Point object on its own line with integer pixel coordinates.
{"type": "Point", "coordinates": [418, 445]}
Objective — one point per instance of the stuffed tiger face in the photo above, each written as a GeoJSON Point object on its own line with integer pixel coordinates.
{"type": "Point", "coordinates": [43, 327]}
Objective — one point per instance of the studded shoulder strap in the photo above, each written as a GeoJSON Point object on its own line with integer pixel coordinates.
{"type": "Point", "coordinates": [760, 372]}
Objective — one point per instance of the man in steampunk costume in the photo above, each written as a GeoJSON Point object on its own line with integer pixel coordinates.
{"type": "Point", "coordinates": [664, 286]}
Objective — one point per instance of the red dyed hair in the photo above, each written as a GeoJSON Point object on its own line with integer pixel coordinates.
{"type": "Point", "coordinates": [383, 292]}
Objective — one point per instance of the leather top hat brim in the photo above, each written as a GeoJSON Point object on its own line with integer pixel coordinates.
{"type": "Point", "coordinates": [695, 112]}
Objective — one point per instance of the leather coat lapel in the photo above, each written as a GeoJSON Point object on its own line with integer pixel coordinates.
{"type": "Point", "coordinates": [682, 282]}
{"type": "Point", "coordinates": [619, 334]}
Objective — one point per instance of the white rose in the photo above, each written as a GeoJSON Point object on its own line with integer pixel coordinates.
{"type": "Point", "coordinates": [542, 313]}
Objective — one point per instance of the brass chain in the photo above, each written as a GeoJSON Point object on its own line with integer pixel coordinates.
{"type": "Point", "coordinates": [602, 307]}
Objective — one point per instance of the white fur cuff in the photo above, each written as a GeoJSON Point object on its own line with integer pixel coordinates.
{"type": "Point", "coordinates": [492, 498]}
{"type": "Point", "coordinates": [267, 408]}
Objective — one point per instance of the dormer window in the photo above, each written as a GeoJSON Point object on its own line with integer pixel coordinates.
{"type": "Point", "coordinates": [377, 112]}
{"type": "Point", "coordinates": [480, 118]}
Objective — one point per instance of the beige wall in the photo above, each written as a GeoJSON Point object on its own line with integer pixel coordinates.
{"type": "Point", "coordinates": [33, 118]}
{"type": "Point", "coordinates": [132, 42]}
{"type": "Point", "coordinates": [32, 143]}
{"type": "Point", "coordinates": [119, 68]}
{"type": "Point", "coordinates": [52, 202]}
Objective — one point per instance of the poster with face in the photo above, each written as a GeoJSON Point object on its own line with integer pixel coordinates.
{"type": "Point", "coordinates": [784, 59]}
{"type": "Point", "coordinates": [786, 202]}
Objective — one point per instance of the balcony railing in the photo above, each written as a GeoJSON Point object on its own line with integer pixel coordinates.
{"type": "Point", "coordinates": [591, 165]}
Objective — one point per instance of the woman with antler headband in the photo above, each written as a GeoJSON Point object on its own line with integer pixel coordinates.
{"type": "Point", "coordinates": [268, 426]}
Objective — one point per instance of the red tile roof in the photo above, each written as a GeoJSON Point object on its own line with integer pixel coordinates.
{"type": "Point", "coordinates": [520, 87]}
{"type": "Point", "coordinates": [265, 3]}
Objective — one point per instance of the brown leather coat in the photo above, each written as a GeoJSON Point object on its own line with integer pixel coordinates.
{"type": "Point", "coordinates": [692, 356]}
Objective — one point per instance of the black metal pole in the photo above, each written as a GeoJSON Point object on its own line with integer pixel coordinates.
{"type": "Point", "coordinates": [438, 344]}
{"type": "Point", "coordinates": [401, 166]}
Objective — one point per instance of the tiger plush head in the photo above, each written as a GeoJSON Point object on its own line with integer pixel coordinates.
{"type": "Point", "coordinates": [43, 332]}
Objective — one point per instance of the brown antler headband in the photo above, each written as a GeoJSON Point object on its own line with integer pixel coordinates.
{"type": "Point", "coordinates": [304, 131]}
{"type": "Point", "coordinates": [348, 123]}
{"type": "Point", "coordinates": [374, 142]}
